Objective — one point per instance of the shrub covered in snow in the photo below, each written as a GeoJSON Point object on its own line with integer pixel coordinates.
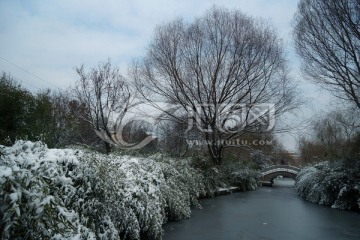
{"type": "Point", "coordinates": [261, 159]}
{"type": "Point", "coordinates": [184, 185]}
{"type": "Point", "coordinates": [334, 184]}
{"type": "Point", "coordinates": [241, 176]}
{"type": "Point", "coordinates": [80, 194]}
{"type": "Point", "coordinates": [231, 174]}
{"type": "Point", "coordinates": [39, 189]}
{"type": "Point", "coordinates": [35, 184]}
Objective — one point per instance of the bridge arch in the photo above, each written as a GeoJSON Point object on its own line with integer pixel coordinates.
{"type": "Point", "coordinates": [270, 173]}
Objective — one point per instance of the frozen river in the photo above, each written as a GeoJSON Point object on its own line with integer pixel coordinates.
{"type": "Point", "coordinates": [267, 213]}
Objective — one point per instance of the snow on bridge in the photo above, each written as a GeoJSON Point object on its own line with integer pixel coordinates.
{"type": "Point", "coordinates": [268, 174]}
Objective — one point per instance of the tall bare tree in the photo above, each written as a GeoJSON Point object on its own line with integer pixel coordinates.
{"type": "Point", "coordinates": [106, 96]}
{"type": "Point", "coordinates": [327, 37]}
{"type": "Point", "coordinates": [218, 69]}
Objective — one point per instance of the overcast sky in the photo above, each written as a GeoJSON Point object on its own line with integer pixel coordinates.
{"type": "Point", "coordinates": [42, 41]}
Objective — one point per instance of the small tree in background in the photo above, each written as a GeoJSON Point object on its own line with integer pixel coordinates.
{"type": "Point", "coordinates": [105, 96]}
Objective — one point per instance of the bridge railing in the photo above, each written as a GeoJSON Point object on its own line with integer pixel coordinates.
{"type": "Point", "coordinates": [281, 166]}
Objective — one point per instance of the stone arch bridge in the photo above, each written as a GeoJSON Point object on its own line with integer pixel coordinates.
{"type": "Point", "coordinates": [270, 173]}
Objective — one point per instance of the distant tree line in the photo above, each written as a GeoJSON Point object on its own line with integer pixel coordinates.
{"type": "Point", "coordinates": [49, 116]}
{"type": "Point", "coordinates": [336, 135]}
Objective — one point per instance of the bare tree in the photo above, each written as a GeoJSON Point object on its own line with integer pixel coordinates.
{"type": "Point", "coordinates": [217, 69]}
{"type": "Point", "coordinates": [335, 135]}
{"type": "Point", "coordinates": [311, 151]}
{"type": "Point", "coordinates": [106, 96]}
{"type": "Point", "coordinates": [327, 37]}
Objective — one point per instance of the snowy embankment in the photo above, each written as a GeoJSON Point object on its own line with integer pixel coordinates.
{"type": "Point", "coordinates": [79, 194]}
{"type": "Point", "coordinates": [335, 184]}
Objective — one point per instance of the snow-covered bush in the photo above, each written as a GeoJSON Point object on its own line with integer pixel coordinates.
{"type": "Point", "coordinates": [184, 185]}
{"type": "Point", "coordinates": [72, 194]}
{"type": "Point", "coordinates": [240, 175]}
{"type": "Point", "coordinates": [231, 174]}
{"type": "Point", "coordinates": [210, 174]}
{"type": "Point", "coordinates": [213, 180]}
{"type": "Point", "coordinates": [80, 194]}
{"type": "Point", "coordinates": [34, 185]}
{"type": "Point", "coordinates": [331, 184]}
{"type": "Point", "coordinates": [260, 159]}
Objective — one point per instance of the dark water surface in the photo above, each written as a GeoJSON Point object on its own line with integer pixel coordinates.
{"type": "Point", "coordinates": [267, 213]}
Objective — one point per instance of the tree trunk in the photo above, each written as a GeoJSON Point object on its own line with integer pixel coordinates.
{"type": "Point", "coordinates": [107, 147]}
{"type": "Point", "coordinates": [216, 154]}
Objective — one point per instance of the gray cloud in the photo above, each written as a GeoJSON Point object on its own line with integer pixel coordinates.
{"type": "Point", "coordinates": [49, 38]}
